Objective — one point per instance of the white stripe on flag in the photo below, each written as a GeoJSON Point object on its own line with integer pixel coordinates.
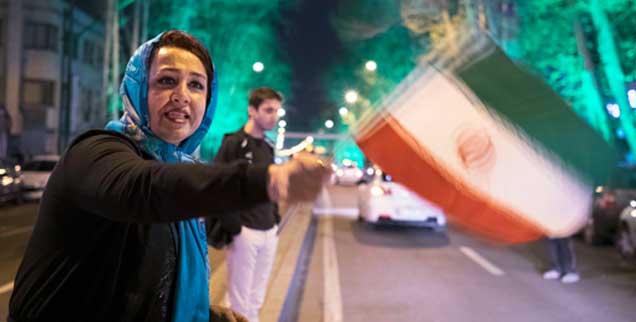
{"type": "Point", "coordinates": [506, 169]}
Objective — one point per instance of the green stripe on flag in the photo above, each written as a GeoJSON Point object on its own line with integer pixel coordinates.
{"type": "Point", "coordinates": [531, 105]}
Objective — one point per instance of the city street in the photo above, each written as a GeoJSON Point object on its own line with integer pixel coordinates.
{"type": "Point", "coordinates": [16, 224]}
{"type": "Point", "coordinates": [363, 273]}
{"type": "Point", "coordinates": [357, 272]}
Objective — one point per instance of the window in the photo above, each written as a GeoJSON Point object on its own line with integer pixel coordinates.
{"type": "Point", "coordinates": [39, 166]}
{"type": "Point", "coordinates": [75, 49]}
{"type": "Point", "coordinates": [99, 51]}
{"type": "Point", "coordinates": [37, 92]}
{"type": "Point", "coordinates": [89, 52]}
{"type": "Point", "coordinates": [86, 105]}
{"type": "Point", "coordinates": [40, 36]}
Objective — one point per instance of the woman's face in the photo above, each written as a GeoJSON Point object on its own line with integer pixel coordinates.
{"type": "Point", "coordinates": [177, 89]}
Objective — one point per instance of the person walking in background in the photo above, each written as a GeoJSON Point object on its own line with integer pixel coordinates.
{"type": "Point", "coordinates": [563, 261]}
{"type": "Point", "coordinates": [251, 252]}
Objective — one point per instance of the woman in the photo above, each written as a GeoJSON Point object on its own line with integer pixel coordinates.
{"type": "Point", "coordinates": [118, 235]}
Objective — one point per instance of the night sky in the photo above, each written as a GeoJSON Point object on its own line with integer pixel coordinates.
{"type": "Point", "coordinates": [312, 46]}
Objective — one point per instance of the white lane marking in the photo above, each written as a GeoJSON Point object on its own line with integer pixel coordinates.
{"type": "Point", "coordinates": [16, 231]}
{"type": "Point", "coordinates": [484, 263]}
{"type": "Point", "coordinates": [6, 288]}
{"type": "Point", "coordinates": [344, 212]}
{"type": "Point", "coordinates": [332, 298]}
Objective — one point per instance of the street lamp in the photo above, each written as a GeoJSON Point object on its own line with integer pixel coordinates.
{"type": "Point", "coordinates": [281, 112]}
{"type": "Point", "coordinates": [258, 67]}
{"type": "Point", "coordinates": [343, 111]}
{"type": "Point", "coordinates": [371, 66]}
{"type": "Point", "coordinates": [328, 124]}
{"type": "Point", "coordinates": [351, 96]}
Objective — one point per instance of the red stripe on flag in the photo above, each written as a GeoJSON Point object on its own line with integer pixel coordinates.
{"type": "Point", "coordinates": [396, 151]}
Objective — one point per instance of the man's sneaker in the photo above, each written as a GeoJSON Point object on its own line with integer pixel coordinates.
{"type": "Point", "coordinates": [570, 278]}
{"type": "Point", "coordinates": [551, 274]}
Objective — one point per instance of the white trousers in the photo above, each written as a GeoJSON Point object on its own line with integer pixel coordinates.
{"type": "Point", "coordinates": [250, 258]}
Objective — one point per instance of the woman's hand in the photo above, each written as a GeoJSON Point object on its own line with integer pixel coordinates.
{"type": "Point", "coordinates": [299, 179]}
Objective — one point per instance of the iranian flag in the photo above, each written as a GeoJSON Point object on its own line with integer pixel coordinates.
{"type": "Point", "coordinates": [491, 144]}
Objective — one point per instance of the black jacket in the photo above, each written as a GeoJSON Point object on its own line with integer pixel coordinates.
{"type": "Point", "coordinates": [102, 247]}
{"type": "Point", "coordinates": [240, 146]}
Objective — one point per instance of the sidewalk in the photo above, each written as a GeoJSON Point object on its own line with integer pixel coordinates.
{"type": "Point", "coordinates": [289, 249]}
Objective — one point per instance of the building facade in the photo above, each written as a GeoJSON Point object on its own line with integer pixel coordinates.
{"type": "Point", "coordinates": [46, 103]}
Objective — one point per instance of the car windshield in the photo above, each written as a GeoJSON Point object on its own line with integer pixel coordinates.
{"type": "Point", "coordinates": [7, 166]}
{"type": "Point", "coordinates": [43, 165]}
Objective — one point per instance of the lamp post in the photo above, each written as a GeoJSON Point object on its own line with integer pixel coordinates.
{"type": "Point", "coordinates": [351, 96]}
{"type": "Point", "coordinates": [371, 65]}
{"type": "Point", "coordinates": [258, 67]}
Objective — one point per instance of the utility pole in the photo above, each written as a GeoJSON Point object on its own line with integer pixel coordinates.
{"type": "Point", "coordinates": [134, 40]}
{"type": "Point", "coordinates": [115, 63]}
{"type": "Point", "coordinates": [144, 19]}
{"type": "Point", "coordinates": [105, 96]}
{"type": "Point", "coordinates": [66, 77]}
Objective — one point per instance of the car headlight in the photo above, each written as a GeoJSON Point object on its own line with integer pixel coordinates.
{"type": "Point", "coordinates": [6, 180]}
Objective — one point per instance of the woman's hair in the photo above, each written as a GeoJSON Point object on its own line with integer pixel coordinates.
{"type": "Point", "coordinates": [183, 40]}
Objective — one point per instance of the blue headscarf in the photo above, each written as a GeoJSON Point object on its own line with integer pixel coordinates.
{"type": "Point", "coordinates": [191, 295]}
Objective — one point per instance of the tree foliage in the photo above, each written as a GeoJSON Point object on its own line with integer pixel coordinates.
{"type": "Point", "coordinates": [237, 34]}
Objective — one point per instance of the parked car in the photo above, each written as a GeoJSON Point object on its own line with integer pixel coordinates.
{"type": "Point", "coordinates": [625, 241]}
{"type": "Point", "coordinates": [347, 174]}
{"type": "Point", "coordinates": [10, 182]}
{"type": "Point", "coordinates": [609, 200]}
{"type": "Point", "coordinates": [383, 201]}
{"type": "Point", "coordinates": [36, 173]}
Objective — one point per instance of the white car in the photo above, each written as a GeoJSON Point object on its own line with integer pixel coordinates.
{"type": "Point", "coordinates": [626, 232]}
{"type": "Point", "coordinates": [383, 201]}
{"type": "Point", "coordinates": [347, 175]}
{"type": "Point", "coordinates": [35, 175]}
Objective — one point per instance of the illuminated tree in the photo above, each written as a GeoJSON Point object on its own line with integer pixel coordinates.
{"type": "Point", "coordinates": [575, 47]}
{"type": "Point", "coordinates": [238, 34]}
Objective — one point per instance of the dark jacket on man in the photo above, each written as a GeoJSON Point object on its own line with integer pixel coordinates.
{"type": "Point", "coordinates": [240, 146]}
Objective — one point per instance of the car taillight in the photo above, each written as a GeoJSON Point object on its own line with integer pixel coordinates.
{"type": "Point", "coordinates": [380, 191]}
